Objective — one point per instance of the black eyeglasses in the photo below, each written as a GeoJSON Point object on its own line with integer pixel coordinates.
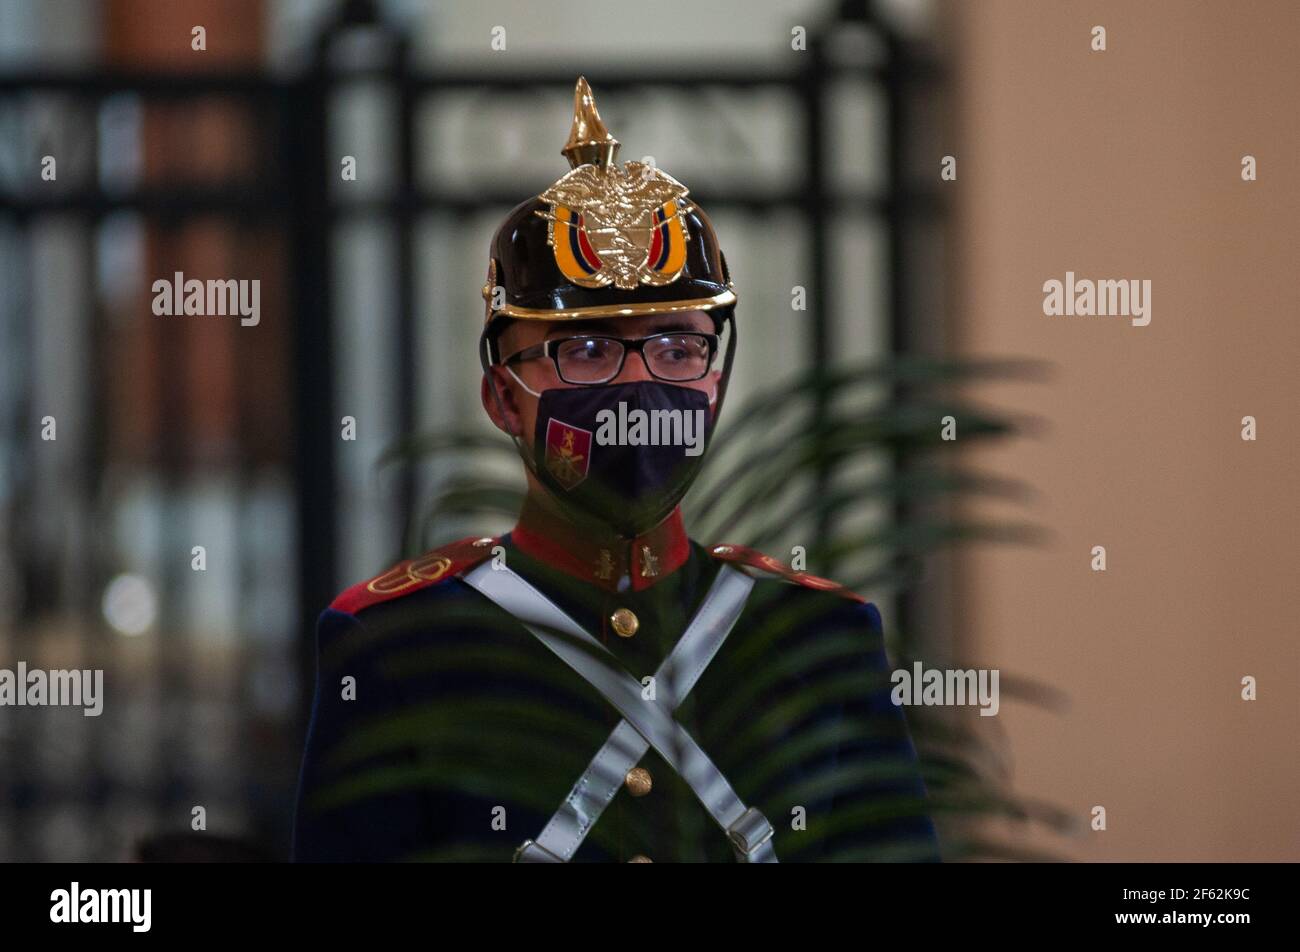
{"type": "Point", "coordinates": [676, 357]}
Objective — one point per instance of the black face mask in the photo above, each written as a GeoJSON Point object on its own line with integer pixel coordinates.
{"type": "Point", "coordinates": [611, 453]}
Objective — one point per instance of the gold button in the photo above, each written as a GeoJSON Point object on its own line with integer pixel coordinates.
{"type": "Point", "coordinates": [625, 623]}
{"type": "Point", "coordinates": [638, 781]}
{"type": "Point", "coordinates": [640, 858]}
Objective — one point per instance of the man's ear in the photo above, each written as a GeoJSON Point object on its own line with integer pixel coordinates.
{"type": "Point", "coordinates": [511, 422]}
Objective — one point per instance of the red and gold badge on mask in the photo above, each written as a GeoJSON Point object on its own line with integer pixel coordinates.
{"type": "Point", "coordinates": [568, 452]}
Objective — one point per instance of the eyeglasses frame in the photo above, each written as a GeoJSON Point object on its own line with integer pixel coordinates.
{"type": "Point", "coordinates": [548, 348]}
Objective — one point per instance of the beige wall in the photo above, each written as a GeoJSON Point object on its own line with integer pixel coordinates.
{"type": "Point", "coordinates": [1126, 164]}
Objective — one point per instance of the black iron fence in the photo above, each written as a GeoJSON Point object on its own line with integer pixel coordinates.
{"type": "Point", "coordinates": [284, 198]}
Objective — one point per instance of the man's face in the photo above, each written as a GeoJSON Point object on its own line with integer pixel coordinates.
{"type": "Point", "coordinates": [539, 374]}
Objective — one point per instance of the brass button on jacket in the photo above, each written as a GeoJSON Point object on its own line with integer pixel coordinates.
{"type": "Point", "coordinates": [638, 781]}
{"type": "Point", "coordinates": [625, 622]}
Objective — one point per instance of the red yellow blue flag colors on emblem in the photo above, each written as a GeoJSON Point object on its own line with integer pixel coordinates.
{"type": "Point", "coordinates": [582, 264]}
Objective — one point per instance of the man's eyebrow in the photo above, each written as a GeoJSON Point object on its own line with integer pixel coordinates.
{"type": "Point", "coordinates": [669, 322]}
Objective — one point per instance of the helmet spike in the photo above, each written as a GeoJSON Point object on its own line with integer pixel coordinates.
{"type": "Point", "coordinates": [589, 140]}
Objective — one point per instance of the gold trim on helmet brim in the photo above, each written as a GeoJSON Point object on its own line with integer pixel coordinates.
{"type": "Point", "coordinates": [614, 310]}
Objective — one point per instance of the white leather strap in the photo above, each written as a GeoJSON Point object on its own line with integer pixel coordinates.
{"type": "Point", "coordinates": [645, 722]}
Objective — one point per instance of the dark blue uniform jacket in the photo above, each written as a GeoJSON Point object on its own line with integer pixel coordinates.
{"type": "Point", "coordinates": [442, 730]}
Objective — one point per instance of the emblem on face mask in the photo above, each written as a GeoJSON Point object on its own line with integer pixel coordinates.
{"type": "Point", "coordinates": [568, 453]}
{"type": "Point", "coordinates": [620, 226]}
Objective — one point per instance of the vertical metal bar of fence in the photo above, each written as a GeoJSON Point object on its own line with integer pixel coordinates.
{"type": "Point", "coordinates": [407, 220]}
{"type": "Point", "coordinates": [899, 307]}
{"type": "Point", "coordinates": [304, 105]}
{"type": "Point", "coordinates": [175, 463]}
{"type": "Point", "coordinates": [20, 744]}
{"type": "Point", "coordinates": [820, 291]}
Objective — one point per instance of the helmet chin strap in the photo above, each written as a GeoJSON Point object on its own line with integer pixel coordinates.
{"type": "Point", "coordinates": [720, 392]}
{"type": "Point", "coordinates": [487, 360]}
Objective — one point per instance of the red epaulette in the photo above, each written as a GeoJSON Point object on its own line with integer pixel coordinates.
{"type": "Point", "coordinates": [755, 559]}
{"type": "Point", "coordinates": [414, 574]}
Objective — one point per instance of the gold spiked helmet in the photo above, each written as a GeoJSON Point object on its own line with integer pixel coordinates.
{"type": "Point", "coordinates": [609, 242]}
{"type": "Point", "coordinates": [605, 240]}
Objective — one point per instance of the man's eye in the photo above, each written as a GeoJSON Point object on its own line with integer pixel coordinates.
{"type": "Point", "coordinates": [676, 349]}
{"type": "Point", "coordinates": [590, 350]}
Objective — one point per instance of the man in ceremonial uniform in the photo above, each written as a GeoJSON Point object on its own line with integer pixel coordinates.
{"type": "Point", "coordinates": [594, 685]}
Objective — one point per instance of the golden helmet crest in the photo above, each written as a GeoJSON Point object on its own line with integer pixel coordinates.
{"type": "Point", "coordinates": [605, 240]}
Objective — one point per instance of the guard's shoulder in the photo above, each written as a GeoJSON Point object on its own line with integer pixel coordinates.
{"type": "Point", "coordinates": [412, 575]}
{"type": "Point", "coordinates": [743, 555]}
